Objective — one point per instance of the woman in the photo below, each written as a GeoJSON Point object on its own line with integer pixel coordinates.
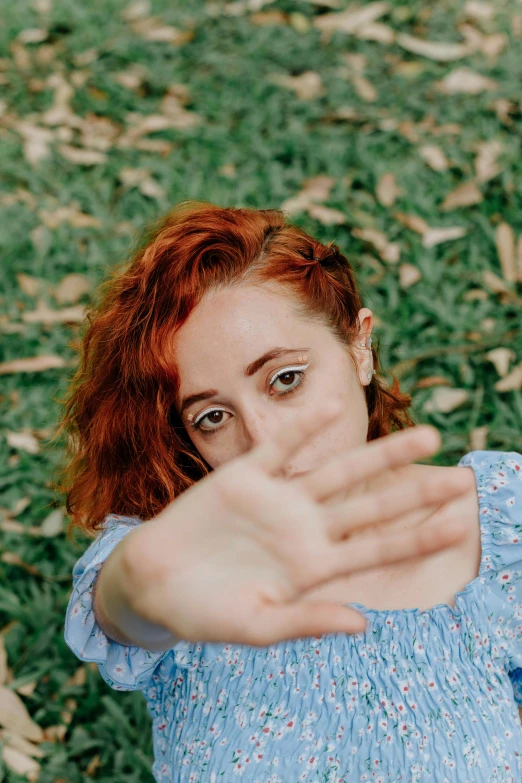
{"type": "Point", "coordinates": [235, 451]}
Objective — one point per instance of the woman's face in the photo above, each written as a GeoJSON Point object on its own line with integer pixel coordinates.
{"type": "Point", "coordinates": [231, 329]}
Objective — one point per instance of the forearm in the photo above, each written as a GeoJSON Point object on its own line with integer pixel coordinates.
{"type": "Point", "coordinates": [113, 607]}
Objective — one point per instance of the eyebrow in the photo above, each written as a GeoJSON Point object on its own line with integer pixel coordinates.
{"type": "Point", "coordinates": [249, 370]}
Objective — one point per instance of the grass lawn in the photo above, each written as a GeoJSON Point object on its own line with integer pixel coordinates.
{"type": "Point", "coordinates": [393, 129]}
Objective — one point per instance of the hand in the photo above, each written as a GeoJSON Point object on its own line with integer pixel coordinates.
{"type": "Point", "coordinates": [229, 559]}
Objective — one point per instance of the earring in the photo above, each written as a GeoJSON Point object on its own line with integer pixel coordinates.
{"type": "Point", "coordinates": [363, 345]}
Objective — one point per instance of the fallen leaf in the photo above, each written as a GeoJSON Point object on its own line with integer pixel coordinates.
{"type": "Point", "coordinates": [376, 31]}
{"type": "Point", "coordinates": [24, 440]}
{"type": "Point", "coordinates": [492, 45]}
{"type": "Point", "coordinates": [505, 244]}
{"type": "Point", "coordinates": [36, 141]}
{"type": "Point", "coordinates": [34, 364]}
{"type": "Point", "coordinates": [52, 524]}
{"type": "Point", "coordinates": [446, 399]}
{"type": "Point", "coordinates": [478, 439]}
{"type": "Point", "coordinates": [501, 358]}
{"type": "Point", "coordinates": [45, 314]}
{"type": "Point", "coordinates": [14, 716]}
{"type": "Point", "coordinates": [434, 236]}
{"type": "Point", "coordinates": [352, 19]}
{"type": "Point", "coordinates": [152, 29]}
{"type": "Point", "coordinates": [480, 10]}
{"type": "Point", "coordinates": [388, 251]}
{"type": "Point", "coordinates": [463, 196]}
{"type": "Point", "coordinates": [139, 9]}
{"type": "Point", "coordinates": [71, 288]}
{"type": "Point", "coordinates": [413, 222]}
{"type": "Point", "coordinates": [71, 214]}
{"type": "Point", "coordinates": [307, 86]}
{"type": "Point", "coordinates": [432, 380]}
{"type": "Point", "coordinates": [60, 112]}
{"type": "Point", "coordinates": [512, 381]}
{"type": "Point", "coordinates": [82, 157]}
{"type": "Point", "coordinates": [326, 215]}
{"type": "Point", "coordinates": [435, 50]}
{"type": "Point", "coordinates": [409, 275]}
{"type": "Point", "coordinates": [32, 35]}
{"type": "Point", "coordinates": [486, 166]}
{"type": "Point", "coordinates": [20, 762]}
{"type": "Point", "coordinates": [434, 157]}
{"type": "Point", "coordinates": [29, 285]}
{"type": "Point", "coordinates": [386, 190]}
{"type": "Point", "coordinates": [464, 80]}
{"type": "Point", "coordinates": [495, 283]}
{"type": "Point", "coordinates": [363, 87]}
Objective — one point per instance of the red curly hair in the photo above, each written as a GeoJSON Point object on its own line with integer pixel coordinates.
{"type": "Point", "coordinates": [127, 450]}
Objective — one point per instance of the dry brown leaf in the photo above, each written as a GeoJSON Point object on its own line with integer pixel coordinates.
{"type": "Point", "coordinates": [388, 251]}
{"type": "Point", "coordinates": [435, 50]}
{"type": "Point", "coordinates": [307, 86]}
{"type": "Point", "coordinates": [13, 559]}
{"type": "Point", "coordinates": [495, 283]}
{"type": "Point", "coordinates": [409, 275]}
{"type": "Point", "coordinates": [501, 358]}
{"type": "Point", "coordinates": [15, 740]}
{"type": "Point", "coordinates": [363, 87]}
{"type": "Point", "coordinates": [139, 9]}
{"type": "Point", "coordinates": [4, 672]}
{"type": "Point", "coordinates": [492, 45]}
{"type": "Point", "coordinates": [480, 10]}
{"type": "Point", "coordinates": [413, 222]}
{"type": "Point", "coordinates": [153, 29]}
{"type": "Point", "coordinates": [446, 399]}
{"type": "Point", "coordinates": [386, 190]}
{"type": "Point", "coordinates": [68, 713]}
{"type": "Point", "coordinates": [376, 31]}
{"type": "Point", "coordinates": [81, 157]}
{"type": "Point", "coordinates": [511, 382]}
{"type": "Point", "coordinates": [132, 78]}
{"type": "Point", "coordinates": [33, 364]}
{"type": "Point", "coordinates": [430, 381]}
{"type": "Point", "coordinates": [36, 141]}
{"type": "Point", "coordinates": [52, 524]}
{"type": "Point", "coordinates": [464, 80]}
{"type": "Point", "coordinates": [326, 215]}
{"type": "Point", "coordinates": [32, 35]}
{"type": "Point", "coordinates": [486, 166]}
{"type": "Point", "coordinates": [352, 19]}
{"type": "Point", "coordinates": [434, 236]}
{"type": "Point", "coordinates": [314, 189]}
{"type": "Point", "coordinates": [99, 133]}
{"type": "Point", "coordinates": [270, 17]}
{"type": "Point", "coordinates": [24, 440]}
{"type": "Point", "coordinates": [71, 214]}
{"type": "Point", "coordinates": [79, 677]}
{"type": "Point", "coordinates": [71, 288]}
{"type": "Point", "coordinates": [60, 112]}
{"type": "Point", "coordinates": [434, 157]}
{"type": "Point", "coordinates": [463, 196]}
{"type": "Point", "coordinates": [20, 762]}
{"type": "Point", "coordinates": [478, 441]}
{"type": "Point", "coordinates": [29, 285]}
{"type": "Point", "coordinates": [45, 314]}
{"type": "Point", "coordinates": [505, 244]}
{"type": "Point", "coordinates": [14, 716]}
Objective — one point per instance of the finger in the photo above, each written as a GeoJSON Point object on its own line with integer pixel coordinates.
{"type": "Point", "coordinates": [275, 622]}
{"type": "Point", "coordinates": [376, 549]}
{"type": "Point", "coordinates": [355, 466]}
{"type": "Point", "coordinates": [381, 506]}
{"type": "Point", "coordinates": [272, 455]}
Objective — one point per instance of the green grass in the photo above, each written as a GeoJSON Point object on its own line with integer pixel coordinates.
{"type": "Point", "coordinates": [255, 144]}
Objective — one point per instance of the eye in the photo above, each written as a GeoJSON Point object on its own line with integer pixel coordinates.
{"type": "Point", "coordinates": [196, 425]}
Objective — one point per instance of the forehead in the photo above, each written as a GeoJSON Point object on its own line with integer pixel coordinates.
{"type": "Point", "coordinates": [238, 320]}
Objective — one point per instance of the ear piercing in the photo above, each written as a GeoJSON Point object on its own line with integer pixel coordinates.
{"type": "Point", "coordinates": [363, 345]}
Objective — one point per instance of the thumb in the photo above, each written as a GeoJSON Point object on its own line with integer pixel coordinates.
{"type": "Point", "coordinates": [277, 622]}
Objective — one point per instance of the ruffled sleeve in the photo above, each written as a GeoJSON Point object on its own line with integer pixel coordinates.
{"type": "Point", "coordinates": [499, 483]}
{"type": "Point", "coordinates": [123, 667]}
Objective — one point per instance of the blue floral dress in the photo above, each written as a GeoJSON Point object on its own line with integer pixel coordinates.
{"type": "Point", "coordinates": [418, 696]}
